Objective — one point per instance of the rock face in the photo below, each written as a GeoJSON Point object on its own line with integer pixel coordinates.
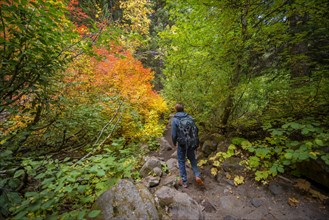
{"type": "Point", "coordinates": [126, 201]}
{"type": "Point", "coordinates": [179, 205]}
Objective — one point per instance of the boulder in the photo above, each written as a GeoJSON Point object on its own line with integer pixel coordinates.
{"type": "Point", "coordinates": [275, 188]}
{"type": "Point", "coordinates": [208, 147]}
{"type": "Point", "coordinates": [174, 155]}
{"type": "Point", "coordinates": [169, 180]}
{"type": "Point", "coordinates": [222, 147]}
{"type": "Point", "coordinates": [315, 170]}
{"type": "Point", "coordinates": [232, 166]}
{"type": "Point", "coordinates": [157, 171]}
{"type": "Point", "coordinates": [126, 201]}
{"type": "Point", "coordinates": [151, 181]}
{"type": "Point", "coordinates": [217, 138]}
{"type": "Point", "coordinates": [172, 164]}
{"type": "Point", "coordinates": [179, 205]}
{"type": "Point", "coordinates": [148, 167]}
{"type": "Point", "coordinates": [164, 145]}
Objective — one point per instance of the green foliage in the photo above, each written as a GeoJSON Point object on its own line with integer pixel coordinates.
{"type": "Point", "coordinates": [241, 63]}
{"type": "Point", "coordinates": [153, 144]}
{"type": "Point", "coordinates": [36, 43]}
{"type": "Point", "coordinates": [62, 188]}
{"type": "Point", "coordinates": [65, 189]}
{"type": "Point", "coordinates": [288, 145]}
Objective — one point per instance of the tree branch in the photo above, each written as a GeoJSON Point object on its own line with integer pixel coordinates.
{"type": "Point", "coordinates": [101, 132]}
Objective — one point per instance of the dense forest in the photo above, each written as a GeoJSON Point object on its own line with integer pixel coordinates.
{"type": "Point", "coordinates": [87, 88]}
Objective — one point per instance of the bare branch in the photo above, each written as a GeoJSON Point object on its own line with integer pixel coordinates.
{"type": "Point", "coordinates": [108, 136]}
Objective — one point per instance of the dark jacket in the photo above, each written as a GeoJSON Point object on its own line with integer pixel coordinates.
{"type": "Point", "coordinates": [175, 123]}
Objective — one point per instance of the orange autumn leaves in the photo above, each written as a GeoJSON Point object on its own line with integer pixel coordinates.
{"type": "Point", "coordinates": [119, 74]}
{"type": "Point", "coordinates": [128, 76]}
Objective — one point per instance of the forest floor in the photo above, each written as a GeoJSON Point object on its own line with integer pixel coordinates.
{"type": "Point", "coordinates": [279, 199]}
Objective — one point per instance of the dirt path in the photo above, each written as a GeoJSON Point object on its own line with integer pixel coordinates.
{"type": "Point", "coordinates": [222, 200]}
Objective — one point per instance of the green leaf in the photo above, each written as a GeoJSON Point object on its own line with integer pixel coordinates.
{"type": "Point", "coordinates": [273, 170]}
{"type": "Point", "coordinates": [47, 204]}
{"type": "Point", "coordinates": [295, 125]}
{"type": "Point", "coordinates": [319, 142]}
{"type": "Point", "coordinates": [245, 144]}
{"type": "Point", "coordinates": [21, 214]}
{"type": "Point", "coordinates": [19, 173]}
{"type": "Point", "coordinates": [261, 175]}
{"type": "Point", "coordinates": [48, 181]}
{"type": "Point", "coordinates": [305, 131]}
{"type": "Point", "coordinates": [254, 161]}
{"type": "Point", "coordinates": [280, 169]}
{"type": "Point", "coordinates": [100, 173]}
{"type": "Point", "coordinates": [40, 176]}
{"type": "Point", "coordinates": [263, 152]}
{"type": "Point", "coordinates": [82, 188]}
{"type": "Point", "coordinates": [94, 213]}
{"type": "Point", "coordinates": [277, 133]}
{"type": "Point", "coordinates": [68, 188]}
{"type": "Point", "coordinates": [288, 155]}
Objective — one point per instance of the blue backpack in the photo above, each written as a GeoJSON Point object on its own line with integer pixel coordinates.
{"type": "Point", "coordinates": [187, 132]}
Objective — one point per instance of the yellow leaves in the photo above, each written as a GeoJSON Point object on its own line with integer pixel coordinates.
{"type": "Point", "coordinates": [123, 77]}
{"type": "Point", "coordinates": [303, 184]}
{"type": "Point", "coordinates": [318, 195]}
{"type": "Point", "coordinates": [15, 123]}
{"type": "Point", "coordinates": [216, 163]}
{"type": "Point", "coordinates": [314, 154]}
{"type": "Point", "coordinates": [306, 186]}
{"type": "Point", "coordinates": [151, 127]}
{"type": "Point", "coordinates": [202, 162]}
{"type": "Point", "coordinates": [238, 180]}
{"type": "Point", "coordinates": [214, 171]}
{"type": "Point", "coordinates": [135, 13]}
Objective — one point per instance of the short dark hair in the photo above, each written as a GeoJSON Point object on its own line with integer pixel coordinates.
{"type": "Point", "coordinates": [179, 107]}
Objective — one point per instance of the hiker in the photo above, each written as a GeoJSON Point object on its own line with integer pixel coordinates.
{"type": "Point", "coordinates": [185, 134]}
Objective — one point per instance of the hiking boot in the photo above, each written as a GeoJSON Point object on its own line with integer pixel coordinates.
{"type": "Point", "coordinates": [199, 181]}
{"type": "Point", "coordinates": [181, 183]}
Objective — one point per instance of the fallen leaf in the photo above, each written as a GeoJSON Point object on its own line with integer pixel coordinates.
{"type": "Point", "coordinates": [293, 201]}
{"type": "Point", "coordinates": [303, 184]}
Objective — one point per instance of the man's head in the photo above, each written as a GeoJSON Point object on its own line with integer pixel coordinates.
{"type": "Point", "coordinates": [179, 107]}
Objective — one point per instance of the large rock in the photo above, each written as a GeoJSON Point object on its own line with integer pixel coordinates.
{"type": "Point", "coordinates": [179, 205]}
{"type": "Point", "coordinates": [148, 167]}
{"type": "Point", "coordinates": [164, 145]}
{"type": "Point", "coordinates": [232, 165]}
{"type": "Point", "coordinates": [151, 181]}
{"type": "Point", "coordinates": [126, 201]}
{"type": "Point", "coordinates": [174, 155]}
{"type": "Point", "coordinates": [316, 170]}
{"type": "Point", "coordinates": [208, 147]}
{"type": "Point", "coordinates": [172, 163]}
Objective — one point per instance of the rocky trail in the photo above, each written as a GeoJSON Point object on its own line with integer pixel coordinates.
{"type": "Point", "coordinates": [158, 196]}
{"type": "Point", "coordinates": [221, 199]}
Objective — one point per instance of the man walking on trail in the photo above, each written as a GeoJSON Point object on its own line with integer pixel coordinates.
{"type": "Point", "coordinates": [185, 134]}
